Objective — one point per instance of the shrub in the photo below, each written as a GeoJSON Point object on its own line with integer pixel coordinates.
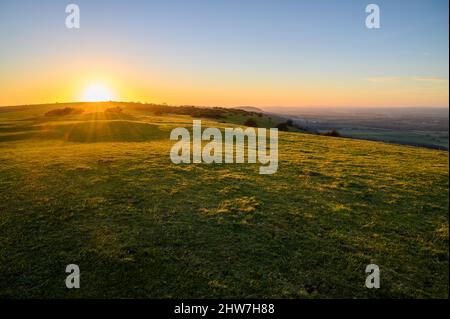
{"type": "Point", "coordinates": [64, 111]}
{"type": "Point", "coordinates": [283, 126]}
{"type": "Point", "coordinates": [251, 122]}
{"type": "Point", "coordinates": [116, 109]}
{"type": "Point", "coordinates": [333, 133]}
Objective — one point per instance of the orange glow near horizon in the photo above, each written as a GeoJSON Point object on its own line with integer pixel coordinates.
{"type": "Point", "coordinates": [122, 84]}
{"type": "Point", "coordinates": [120, 79]}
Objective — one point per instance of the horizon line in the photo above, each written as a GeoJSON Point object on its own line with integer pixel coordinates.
{"type": "Point", "coordinates": [235, 106]}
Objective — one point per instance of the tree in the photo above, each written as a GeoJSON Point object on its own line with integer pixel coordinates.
{"type": "Point", "coordinates": [251, 122]}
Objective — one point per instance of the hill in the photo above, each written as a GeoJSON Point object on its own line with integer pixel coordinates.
{"type": "Point", "coordinates": [97, 188]}
{"type": "Point", "coordinates": [249, 109]}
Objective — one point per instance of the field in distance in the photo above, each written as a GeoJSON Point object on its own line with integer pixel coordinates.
{"type": "Point", "coordinates": [92, 184]}
{"type": "Point", "coordinates": [424, 127]}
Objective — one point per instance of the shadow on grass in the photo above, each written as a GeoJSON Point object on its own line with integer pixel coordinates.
{"type": "Point", "coordinates": [87, 132]}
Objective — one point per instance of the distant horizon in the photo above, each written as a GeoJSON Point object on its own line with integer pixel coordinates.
{"type": "Point", "coordinates": [340, 107]}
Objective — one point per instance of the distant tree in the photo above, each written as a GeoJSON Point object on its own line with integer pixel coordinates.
{"type": "Point", "coordinates": [251, 122]}
{"type": "Point", "coordinates": [116, 109]}
{"type": "Point", "coordinates": [333, 133]}
{"type": "Point", "coordinates": [283, 126]}
{"type": "Point", "coordinates": [64, 111]}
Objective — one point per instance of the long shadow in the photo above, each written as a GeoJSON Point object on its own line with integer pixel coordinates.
{"type": "Point", "coordinates": [86, 132]}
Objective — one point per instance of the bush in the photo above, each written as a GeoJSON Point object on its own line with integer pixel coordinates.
{"type": "Point", "coordinates": [283, 126]}
{"type": "Point", "coordinates": [333, 133]}
{"type": "Point", "coordinates": [64, 111]}
{"type": "Point", "coordinates": [116, 109]}
{"type": "Point", "coordinates": [251, 122]}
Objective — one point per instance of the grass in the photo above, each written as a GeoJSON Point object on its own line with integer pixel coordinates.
{"type": "Point", "coordinates": [435, 139]}
{"type": "Point", "coordinates": [102, 193]}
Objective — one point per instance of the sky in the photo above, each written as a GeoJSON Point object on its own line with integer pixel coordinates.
{"type": "Point", "coordinates": [227, 52]}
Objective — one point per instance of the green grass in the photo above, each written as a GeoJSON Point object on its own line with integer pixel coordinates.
{"type": "Point", "coordinates": [433, 138]}
{"type": "Point", "coordinates": [102, 193]}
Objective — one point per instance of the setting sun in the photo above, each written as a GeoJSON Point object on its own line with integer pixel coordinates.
{"type": "Point", "coordinates": [97, 93]}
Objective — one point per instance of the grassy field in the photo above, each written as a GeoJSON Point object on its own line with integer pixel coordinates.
{"type": "Point", "coordinates": [98, 189]}
{"type": "Point", "coordinates": [434, 139]}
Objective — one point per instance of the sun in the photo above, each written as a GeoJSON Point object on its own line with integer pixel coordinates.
{"type": "Point", "coordinates": [97, 93]}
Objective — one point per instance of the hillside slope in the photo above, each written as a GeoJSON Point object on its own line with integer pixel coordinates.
{"type": "Point", "coordinates": [98, 189]}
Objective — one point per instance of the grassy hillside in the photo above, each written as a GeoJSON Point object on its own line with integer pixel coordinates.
{"type": "Point", "coordinates": [98, 189]}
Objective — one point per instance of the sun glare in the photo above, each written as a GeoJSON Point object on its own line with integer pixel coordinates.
{"type": "Point", "coordinates": [97, 93]}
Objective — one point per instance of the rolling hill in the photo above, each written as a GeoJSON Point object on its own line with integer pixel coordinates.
{"type": "Point", "coordinates": [96, 188]}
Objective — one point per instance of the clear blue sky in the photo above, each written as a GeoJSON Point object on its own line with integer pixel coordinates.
{"type": "Point", "coordinates": [216, 45]}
